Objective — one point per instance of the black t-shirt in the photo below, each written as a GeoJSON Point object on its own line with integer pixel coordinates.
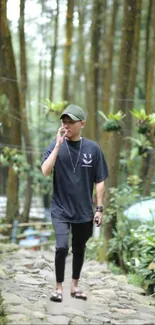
{"type": "Point", "coordinates": [72, 191]}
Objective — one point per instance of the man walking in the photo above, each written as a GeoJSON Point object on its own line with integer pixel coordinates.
{"type": "Point", "coordinates": [77, 164]}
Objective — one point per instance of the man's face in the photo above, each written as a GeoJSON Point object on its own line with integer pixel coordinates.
{"type": "Point", "coordinates": [73, 128]}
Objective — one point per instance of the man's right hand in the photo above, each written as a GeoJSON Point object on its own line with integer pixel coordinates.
{"type": "Point", "coordinates": [60, 136]}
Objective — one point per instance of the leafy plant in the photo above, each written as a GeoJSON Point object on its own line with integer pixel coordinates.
{"type": "Point", "coordinates": [142, 144]}
{"type": "Point", "coordinates": [94, 249]}
{"type": "Point", "coordinates": [51, 107]}
{"type": "Point", "coordinates": [133, 180]}
{"type": "Point", "coordinates": [145, 122]}
{"type": "Point", "coordinates": [113, 122]}
{"type": "Point", "coordinates": [140, 114]}
{"type": "Point", "coordinates": [41, 184]}
{"type": "Point", "coordinates": [16, 158]}
{"type": "Point", "coordinates": [144, 239]}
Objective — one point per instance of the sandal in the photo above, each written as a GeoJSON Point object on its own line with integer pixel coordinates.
{"type": "Point", "coordinates": [79, 295]}
{"type": "Point", "coordinates": [56, 296]}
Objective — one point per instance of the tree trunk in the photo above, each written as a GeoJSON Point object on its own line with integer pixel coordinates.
{"type": "Point", "coordinates": [150, 62]}
{"type": "Point", "coordinates": [109, 44]}
{"type": "Point", "coordinates": [67, 52]}
{"type": "Point", "coordinates": [121, 93]}
{"type": "Point", "coordinates": [109, 50]}
{"type": "Point", "coordinates": [4, 135]}
{"type": "Point", "coordinates": [23, 91]}
{"type": "Point", "coordinates": [53, 52]}
{"type": "Point", "coordinates": [103, 54]}
{"type": "Point", "coordinates": [132, 79]}
{"type": "Point", "coordinates": [148, 163]}
{"type": "Point", "coordinates": [79, 81]}
{"type": "Point", "coordinates": [147, 39]}
{"type": "Point", "coordinates": [94, 69]}
{"type": "Point", "coordinates": [13, 96]}
{"type": "Point", "coordinates": [40, 85]}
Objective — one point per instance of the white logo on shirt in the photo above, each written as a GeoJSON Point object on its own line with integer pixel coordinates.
{"type": "Point", "coordinates": [87, 160]}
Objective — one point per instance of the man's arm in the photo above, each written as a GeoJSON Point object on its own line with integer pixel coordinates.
{"type": "Point", "coordinates": [49, 163]}
{"type": "Point", "coordinates": [100, 189]}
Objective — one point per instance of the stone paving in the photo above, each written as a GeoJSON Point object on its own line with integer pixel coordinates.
{"type": "Point", "coordinates": [27, 280]}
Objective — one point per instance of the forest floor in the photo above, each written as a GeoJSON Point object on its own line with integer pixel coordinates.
{"type": "Point", "coordinates": [27, 280]}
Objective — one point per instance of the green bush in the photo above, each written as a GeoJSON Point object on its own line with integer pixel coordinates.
{"type": "Point", "coordinates": [144, 241]}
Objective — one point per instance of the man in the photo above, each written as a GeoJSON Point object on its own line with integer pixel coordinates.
{"type": "Point", "coordinates": [77, 164]}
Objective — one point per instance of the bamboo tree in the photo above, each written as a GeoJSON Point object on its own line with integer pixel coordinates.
{"type": "Point", "coordinates": [150, 61]}
{"type": "Point", "coordinates": [12, 93]}
{"type": "Point", "coordinates": [67, 51]}
{"type": "Point", "coordinates": [107, 80]}
{"type": "Point", "coordinates": [4, 119]}
{"type": "Point", "coordinates": [147, 39]}
{"type": "Point", "coordinates": [54, 51]}
{"type": "Point", "coordinates": [103, 54]}
{"type": "Point", "coordinates": [40, 68]}
{"type": "Point", "coordinates": [45, 69]}
{"type": "Point", "coordinates": [109, 44]}
{"type": "Point", "coordinates": [23, 92]}
{"type": "Point", "coordinates": [120, 97]}
{"type": "Point", "coordinates": [80, 69]}
{"type": "Point", "coordinates": [148, 161]}
{"type": "Point", "coordinates": [132, 77]}
{"type": "Point", "coordinates": [94, 68]}
{"type": "Point", "coordinates": [4, 135]}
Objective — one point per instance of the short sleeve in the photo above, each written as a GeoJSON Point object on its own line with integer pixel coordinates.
{"type": "Point", "coordinates": [48, 152]}
{"type": "Point", "coordinates": [101, 172]}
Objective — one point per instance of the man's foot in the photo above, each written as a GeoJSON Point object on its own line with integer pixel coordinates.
{"type": "Point", "coordinates": [79, 294]}
{"type": "Point", "coordinates": [56, 296]}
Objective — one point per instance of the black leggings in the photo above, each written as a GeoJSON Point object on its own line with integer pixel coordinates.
{"type": "Point", "coordinates": [81, 232]}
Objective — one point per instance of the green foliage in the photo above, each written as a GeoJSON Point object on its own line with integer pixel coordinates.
{"type": "Point", "coordinates": [140, 114]}
{"type": "Point", "coordinates": [132, 247]}
{"type": "Point", "coordinates": [94, 249]}
{"type": "Point", "coordinates": [133, 180]}
{"type": "Point", "coordinates": [117, 117]}
{"type": "Point", "coordinates": [41, 184]}
{"type": "Point", "coordinates": [140, 142]}
{"type": "Point", "coordinates": [112, 125]}
{"type": "Point", "coordinates": [51, 107]}
{"type": "Point", "coordinates": [115, 269]}
{"type": "Point", "coordinates": [3, 319]}
{"type": "Point", "coordinates": [16, 159]}
{"type": "Point", "coordinates": [113, 121]}
{"type": "Point", "coordinates": [133, 243]}
{"type": "Point", "coordinates": [122, 197]}
{"type": "Point", "coordinates": [135, 279]}
{"type": "Point", "coordinates": [152, 119]}
{"type": "Point", "coordinates": [145, 122]}
{"type": "Point", "coordinates": [144, 240]}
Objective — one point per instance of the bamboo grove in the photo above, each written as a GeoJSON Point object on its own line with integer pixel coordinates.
{"type": "Point", "coordinates": [98, 54]}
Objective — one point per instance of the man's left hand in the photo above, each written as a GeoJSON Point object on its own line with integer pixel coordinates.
{"type": "Point", "coordinates": [98, 216]}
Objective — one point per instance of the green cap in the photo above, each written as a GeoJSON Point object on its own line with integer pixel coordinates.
{"type": "Point", "coordinates": [76, 113]}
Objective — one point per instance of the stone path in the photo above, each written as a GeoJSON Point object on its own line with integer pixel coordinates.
{"type": "Point", "coordinates": [27, 279]}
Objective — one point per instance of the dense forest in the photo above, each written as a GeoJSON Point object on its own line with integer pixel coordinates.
{"type": "Point", "coordinates": [98, 54]}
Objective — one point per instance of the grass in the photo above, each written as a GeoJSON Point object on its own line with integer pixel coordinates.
{"type": "Point", "coordinates": [3, 320]}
